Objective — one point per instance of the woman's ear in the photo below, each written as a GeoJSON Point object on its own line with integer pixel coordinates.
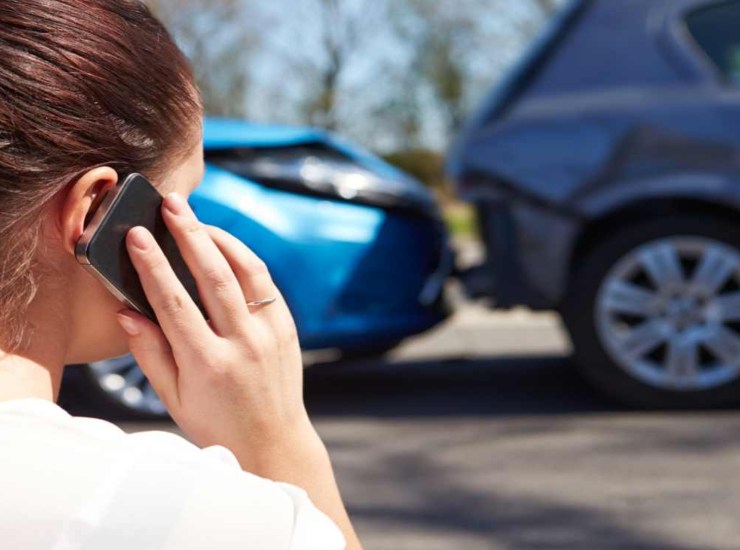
{"type": "Point", "coordinates": [80, 201]}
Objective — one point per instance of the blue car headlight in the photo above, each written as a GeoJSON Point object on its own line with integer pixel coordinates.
{"type": "Point", "coordinates": [325, 172]}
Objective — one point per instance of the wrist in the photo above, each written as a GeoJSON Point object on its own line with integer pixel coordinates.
{"type": "Point", "coordinates": [286, 449]}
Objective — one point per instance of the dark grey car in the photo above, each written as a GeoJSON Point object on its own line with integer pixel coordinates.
{"type": "Point", "coordinates": [606, 174]}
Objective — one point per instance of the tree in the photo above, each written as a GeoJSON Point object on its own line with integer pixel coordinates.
{"type": "Point", "coordinates": [400, 116]}
{"type": "Point", "coordinates": [218, 38]}
{"type": "Point", "coordinates": [389, 73]}
{"type": "Point", "coordinates": [441, 36]}
{"type": "Point", "coordinates": [460, 49]}
{"type": "Point", "coordinates": [326, 38]}
{"type": "Point", "coordinates": [549, 6]}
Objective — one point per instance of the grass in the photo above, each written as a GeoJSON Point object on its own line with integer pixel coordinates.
{"type": "Point", "coordinates": [460, 219]}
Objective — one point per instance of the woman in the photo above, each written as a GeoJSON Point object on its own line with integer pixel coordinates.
{"type": "Point", "coordinates": [91, 89]}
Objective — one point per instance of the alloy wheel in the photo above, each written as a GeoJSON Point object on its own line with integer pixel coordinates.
{"type": "Point", "coordinates": [668, 313]}
{"type": "Point", "coordinates": [123, 381]}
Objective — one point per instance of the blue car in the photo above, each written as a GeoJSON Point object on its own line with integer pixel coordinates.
{"type": "Point", "coordinates": [357, 247]}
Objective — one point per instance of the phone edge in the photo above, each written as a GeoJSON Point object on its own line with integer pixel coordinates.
{"type": "Point", "coordinates": [84, 242]}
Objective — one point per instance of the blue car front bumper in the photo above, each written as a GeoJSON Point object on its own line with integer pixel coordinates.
{"type": "Point", "coordinates": [354, 275]}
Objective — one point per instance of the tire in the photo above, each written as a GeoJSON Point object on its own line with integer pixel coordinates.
{"type": "Point", "coordinates": [110, 400]}
{"type": "Point", "coordinates": [696, 360]}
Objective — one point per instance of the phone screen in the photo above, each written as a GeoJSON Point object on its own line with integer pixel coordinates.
{"type": "Point", "coordinates": [102, 247]}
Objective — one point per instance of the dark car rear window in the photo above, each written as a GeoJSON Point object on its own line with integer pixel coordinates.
{"type": "Point", "coordinates": [716, 29]}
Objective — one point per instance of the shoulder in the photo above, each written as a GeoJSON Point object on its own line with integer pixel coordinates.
{"type": "Point", "coordinates": [152, 489]}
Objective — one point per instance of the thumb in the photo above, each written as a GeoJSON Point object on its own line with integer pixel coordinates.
{"type": "Point", "coordinates": [153, 353]}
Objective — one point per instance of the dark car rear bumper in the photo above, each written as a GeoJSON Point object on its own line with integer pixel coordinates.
{"type": "Point", "coordinates": [500, 276]}
{"type": "Point", "coordinates": [528, 251]}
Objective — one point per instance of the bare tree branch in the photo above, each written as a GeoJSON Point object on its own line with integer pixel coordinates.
{"type": "Point", "coordinates": [219, 45]}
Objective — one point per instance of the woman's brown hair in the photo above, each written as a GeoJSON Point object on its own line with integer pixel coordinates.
{"type": "Point", "coordinates": [83, 83]}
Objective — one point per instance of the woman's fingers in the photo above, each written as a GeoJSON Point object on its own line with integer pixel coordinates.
{"type": "Point", "coordinates": [251, 272]}
{"type": "Point", "coordinates": [217, 285]}
{"type": "Point", "coordinates": [180, 319]}
{"type": "Point", "coordinates": [153, 354]}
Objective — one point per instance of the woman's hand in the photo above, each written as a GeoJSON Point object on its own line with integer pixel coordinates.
{"type": "Point", "coordinates": [235, 380]}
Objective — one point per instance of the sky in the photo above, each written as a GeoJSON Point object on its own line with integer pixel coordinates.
{"type": "Point", "coordinates": [284, 55]}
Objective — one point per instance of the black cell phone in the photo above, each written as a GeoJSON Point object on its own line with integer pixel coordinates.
{"type": "Point", "coordinates": [102, 247]}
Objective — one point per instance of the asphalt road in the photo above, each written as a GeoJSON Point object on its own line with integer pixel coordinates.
{"type": "Point", "coordinates": [481, 436]}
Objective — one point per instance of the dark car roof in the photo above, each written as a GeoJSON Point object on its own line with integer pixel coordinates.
{"type": "Point", "coordinates": [593, 46]}
{"type": "Point", "coordinates": [620, 43]}
{"type": "Point", "coordinates": [598, 44]}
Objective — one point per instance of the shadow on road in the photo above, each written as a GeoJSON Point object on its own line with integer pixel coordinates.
{"type": "Point", "coordinates": [459, 387]}
{"type": "Point", "coordinates": [450, 484]}
{"type": "Point", "coordinates": [443, 505]}
{"type": "Point", "coordinates": [522, 385]}
{"type": "Point", "coordinates": [540, 483]}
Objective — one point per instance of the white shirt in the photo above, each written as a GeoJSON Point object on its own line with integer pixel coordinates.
{"type": "Point", "coordinates": [84, 484]}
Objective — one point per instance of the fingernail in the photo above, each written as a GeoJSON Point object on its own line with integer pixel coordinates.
{"type": "Point", "coordinates": [128, 324]}
{"type": "Point", "coordinates": [141, 238]}
{"type": "Point", "coordinates": [175, 203]}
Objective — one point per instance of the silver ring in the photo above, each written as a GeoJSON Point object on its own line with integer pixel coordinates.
{"type": "Point", "coordinates": [266, 302]}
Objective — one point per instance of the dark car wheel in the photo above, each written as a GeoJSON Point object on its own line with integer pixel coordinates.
{"type": "Point", "coordinates": [654, 312]}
